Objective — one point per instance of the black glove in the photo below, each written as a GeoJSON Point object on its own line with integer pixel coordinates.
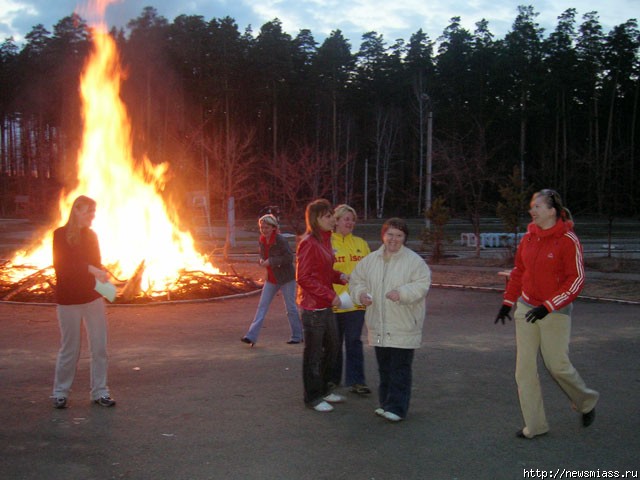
{"type": "Point", "coordinates": [536, 314]}
{"type": "Point", "coordinates": [503, 313]}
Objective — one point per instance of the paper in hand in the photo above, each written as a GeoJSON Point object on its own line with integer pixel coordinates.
{"type": "Point", "coordinates": [346, 301]}
{"type": "Point", "coordinates": [106, 289]}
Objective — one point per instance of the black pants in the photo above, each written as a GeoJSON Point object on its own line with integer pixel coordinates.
{"type": "Point", "coordinates": [395, 368]}
{"type": "Point", "coordinates": [320, 351]}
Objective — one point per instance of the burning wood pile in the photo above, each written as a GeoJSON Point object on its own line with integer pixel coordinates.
{"type": "Point", "coordinates": [37, 286]}
{"type": "Point", "coordinates": [139, 231]}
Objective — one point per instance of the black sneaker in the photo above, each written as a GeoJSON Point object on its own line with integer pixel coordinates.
{"type": "Point", "coordinates": [105, 401]}
{"type": "Point", "coordinates": [60, 402]}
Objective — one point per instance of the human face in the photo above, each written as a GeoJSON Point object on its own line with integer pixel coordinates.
{"type": "Point", "coordinates": [326, 222]}
{"type": "Point", "coordinates": [85, 215]}
{"type": "Point", "coordinates": [541, 214]}
{"type": "Point", "coordinates": [345, 224]}
{"type": "Point", "coordinates": [393, 240]}
{"type": "Point", "coordinates": [266, 229]}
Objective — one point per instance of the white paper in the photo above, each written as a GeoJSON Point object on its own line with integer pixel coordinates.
{"type": "Point", "coordinates": [346, 301]}
{"type": "Point", "coordinates": [106, 289]}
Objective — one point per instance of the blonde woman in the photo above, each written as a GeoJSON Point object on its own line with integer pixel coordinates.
{"type": "Point", "coordinates": [349, 250]}
{"type": "Point", "coordinates": [77, 263]}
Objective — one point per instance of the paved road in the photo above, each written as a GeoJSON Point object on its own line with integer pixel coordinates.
{"type": "Point", "coordinates": [195, 403]}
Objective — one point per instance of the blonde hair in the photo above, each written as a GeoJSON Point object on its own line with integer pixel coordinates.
{"type": "Point", "coordinates": [269, 219]}
{"type": "Point", "coordinates": [72, 226]}
{"type": "Point", "coordinates": [341, 210]}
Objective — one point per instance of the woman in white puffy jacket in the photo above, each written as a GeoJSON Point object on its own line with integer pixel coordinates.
{"type": "Point", "coordinates": [392, 282]}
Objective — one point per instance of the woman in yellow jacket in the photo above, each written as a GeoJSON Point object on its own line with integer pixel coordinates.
{"type": "Point", "coordinates": [348, 250]}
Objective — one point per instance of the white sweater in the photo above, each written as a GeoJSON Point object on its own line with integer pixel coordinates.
{"type": "Point", "coordinates": [393, 324]}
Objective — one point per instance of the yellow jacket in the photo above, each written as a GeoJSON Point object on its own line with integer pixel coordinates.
{"type": "Point", "coordinates": [348, 251]}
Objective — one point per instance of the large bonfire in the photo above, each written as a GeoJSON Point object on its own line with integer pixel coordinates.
{"type": "Point", "coordinates": [140, 239]}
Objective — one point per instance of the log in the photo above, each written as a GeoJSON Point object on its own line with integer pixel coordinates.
{"type": "Point", "coordinates": [134, 285]}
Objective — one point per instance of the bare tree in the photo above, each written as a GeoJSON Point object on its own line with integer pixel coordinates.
{"type": "Point", "coordinates": [301, 176]}
{"type": "Point", "coordinates": [387, 127]}
{"type": "Point", "coordinates": [234, 166]}
{"type": "Point", "coordinates": [466, 159]}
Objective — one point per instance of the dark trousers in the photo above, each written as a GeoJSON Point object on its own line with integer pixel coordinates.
{"type": "Point", "coordinates": [320, 350]}
{"type": "Point", "coordinates": [350, 332]}
{"type": "Point", "coordinates": [394, 367]}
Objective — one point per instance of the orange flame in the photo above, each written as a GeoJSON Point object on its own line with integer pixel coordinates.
{"type": "Point", "coordinates": [132, 220]}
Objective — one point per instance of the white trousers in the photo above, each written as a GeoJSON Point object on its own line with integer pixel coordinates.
{"type": "Point", "coordinates": [551, 337]}
{"type": "Point", "coordinates": [70, 319]}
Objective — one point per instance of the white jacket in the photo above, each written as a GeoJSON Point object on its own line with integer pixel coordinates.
{"type": "Point", "coordinates": [393, 324]}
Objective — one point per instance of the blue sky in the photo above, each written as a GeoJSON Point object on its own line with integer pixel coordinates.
{"type": "Point", "coordinates": [392, 19]}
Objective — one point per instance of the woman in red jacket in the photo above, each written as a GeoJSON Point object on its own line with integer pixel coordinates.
{"type": "Point", "coordinates": [547, 278]}
{"type": "Point", "coordinates": [315, 276]}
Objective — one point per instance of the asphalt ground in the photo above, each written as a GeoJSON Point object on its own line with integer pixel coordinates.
{"type": "Point", "coordinates": [196, 403]}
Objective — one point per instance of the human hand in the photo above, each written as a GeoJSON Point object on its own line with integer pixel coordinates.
{"type": "Point", "coordinates": [336, 302]}
{"type": "Point", "coordinates": [503, 313]}
{"type": "Point", "coordinates": [536, 313]}
{"type": "Point", "coordinates": [100, 274]}
{"type": "Point", "coordinates": [393, 295]}
{"type": "Point", "coordinates": [365, 299]}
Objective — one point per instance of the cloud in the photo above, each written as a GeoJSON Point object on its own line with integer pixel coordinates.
{"type": "Point", "coordinates": [392, 19]}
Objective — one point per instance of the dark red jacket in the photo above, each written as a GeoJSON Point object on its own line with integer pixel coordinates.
{"type": "Point", "coordinates": [549, 268]}
{"type": "Point", "coordinates": [315, 274]}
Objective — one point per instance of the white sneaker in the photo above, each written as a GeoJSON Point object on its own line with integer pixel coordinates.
{"type": "Point", "coordinates": [392, 417]}
{"type": "Point", "coordinates": [334, 398]}
{"type": "Point", "coordinates": [379, 412]}
{"type": "Point", "coordinates": [323, 407]}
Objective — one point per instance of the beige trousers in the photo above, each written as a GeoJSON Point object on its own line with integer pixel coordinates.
{"type": "Point", "coordinates": [70, 318]}
{"type": "Point", "coordinates": [551, 337]}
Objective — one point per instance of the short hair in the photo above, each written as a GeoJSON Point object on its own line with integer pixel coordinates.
{"type": "Point", "coordinates": [341, 210]}
{"type": "Point", "coordinates": [315, 210]}
{"type": "Point", "coordinates": [269, 219]}
{"type": "Point", "coordinates": [397, 223]}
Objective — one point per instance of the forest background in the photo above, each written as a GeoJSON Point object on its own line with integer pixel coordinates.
{"type": "Point", "coordinates": [272, 119]}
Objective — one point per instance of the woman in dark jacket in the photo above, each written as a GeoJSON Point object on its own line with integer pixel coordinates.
{"type": "Point", "coordinates": [316, 297]}
{"type": "Point", "coordinates": [77, 262]}
{"type": "Point", "coordinates": [277, 258]}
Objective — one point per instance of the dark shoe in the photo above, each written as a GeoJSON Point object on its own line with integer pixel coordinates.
{"type": "Point", "coordinates": [60, 402]}
{"type": "Point", "coordinates": [294, 342]}
{"type": "Point", "coordinates": [588, 418]}
{"type": "Point", "coordinates": [246, 340]}
{"type": "Point", "coordinates": [105, 401]}
{"type": "Point", "coordinates": [360, 389]}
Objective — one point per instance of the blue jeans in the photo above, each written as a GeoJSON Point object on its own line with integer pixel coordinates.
{"type": "Point", "coordinates": [269, 291]}
{"type": "Point", "coordinates": [320, 349]}
{"type": "Point", "coordinates": [394, 366]}
{"type": "Point", "coordinates": [350, 332]}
